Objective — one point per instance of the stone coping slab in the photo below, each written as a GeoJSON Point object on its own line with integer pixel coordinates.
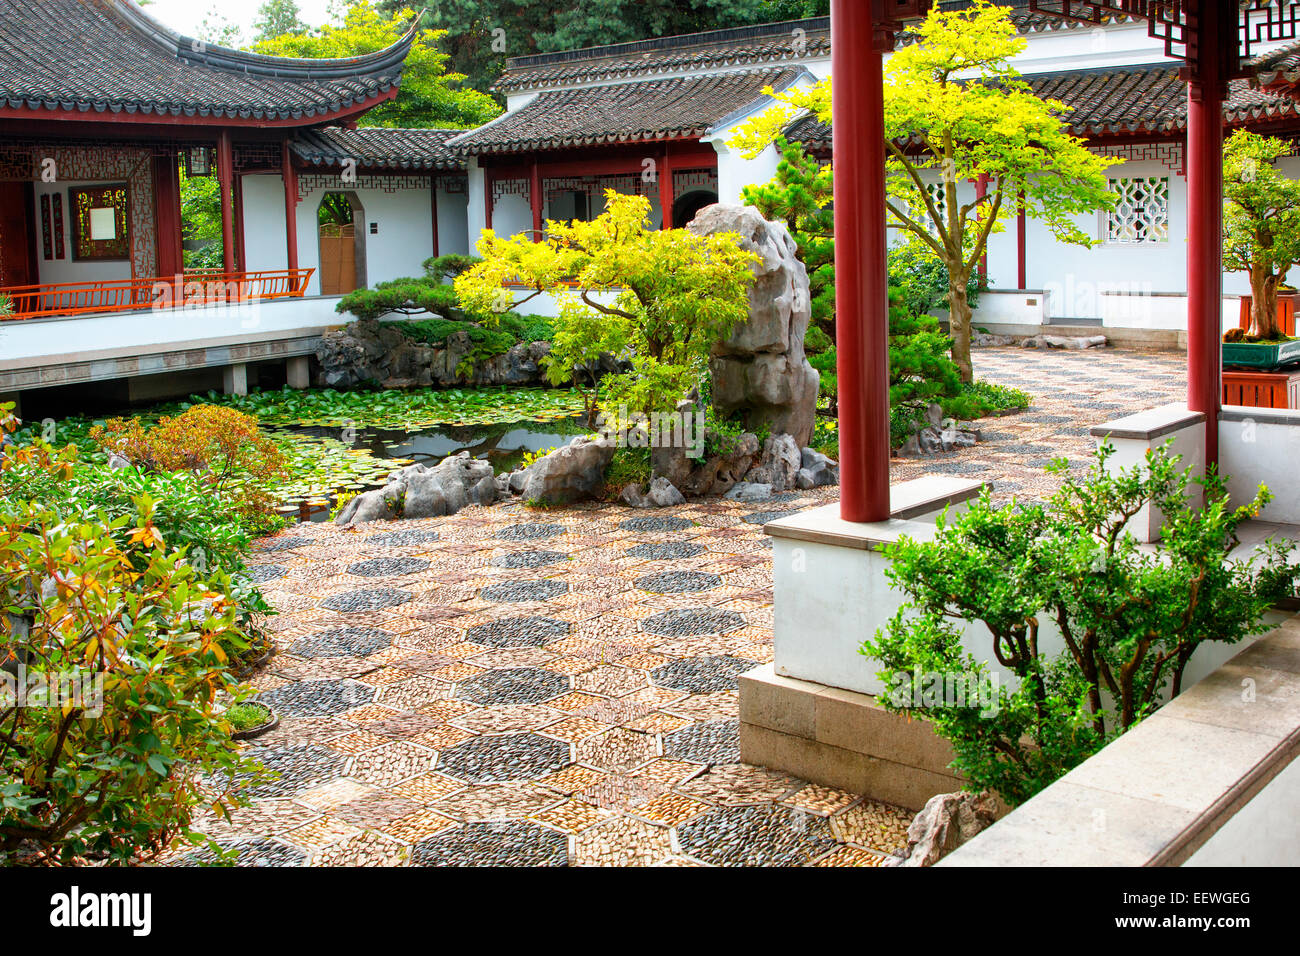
{"type": "Point", "coordinates": [1161, 791]}
{"type": "Point", "coordinates": [1271, 416]}
{"type": "Point", "coordinates": [908, 500]}
{"type": "Point", "coordinates": [1150, 424]}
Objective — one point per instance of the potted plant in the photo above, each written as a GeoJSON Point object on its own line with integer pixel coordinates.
{"type": "Point", "coordinates": [1261, 237]}
{"type": "Point", "coordinates": [249, 719]}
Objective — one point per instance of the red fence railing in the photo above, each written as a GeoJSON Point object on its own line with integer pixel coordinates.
{"type": "Point", "coordinates": [191, 290]}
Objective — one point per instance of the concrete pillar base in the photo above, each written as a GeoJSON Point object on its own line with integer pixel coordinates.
{"type": "Point", "coordinates": [298, 371]}
{"type": "Point", "coordinates": [234, 379]}
{"type": "Point", "coordinates": [843, 739]}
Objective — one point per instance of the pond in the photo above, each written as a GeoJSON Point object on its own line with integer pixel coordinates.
{"type": "Point", "coordinates": [345, 459]}
{"type": "Point", "coordinates": [341, 443]}
{"type": "Point", "coordinates": [337, 444]}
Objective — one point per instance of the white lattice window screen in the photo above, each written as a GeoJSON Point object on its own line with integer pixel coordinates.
{"type": "Point", "coordinates": [1141, 212]}
{"type": "Point", "coordinates": [939, 196]}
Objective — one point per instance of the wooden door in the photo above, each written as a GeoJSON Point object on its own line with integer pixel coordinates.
{"type": "Point", "coordinates": [15, 235]}
{"type": "Point", "coordinates": [338, 263]}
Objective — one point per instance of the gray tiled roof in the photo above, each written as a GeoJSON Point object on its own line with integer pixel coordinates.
{"type": "Point", "coordinates": [1147, 99]}
{"type": "Point", "coordinates": [1282, 64]}
{"type": "Point", "coordinates": [108, 57]}
{"type": "Point", "coordinates": [378, 147]}
{"type": "Point", "coordinates": [1140, 99]}
{"type": "Point", "coordinates": [767, 43]}
{"type": "Point", "coordinates": [631, 112]}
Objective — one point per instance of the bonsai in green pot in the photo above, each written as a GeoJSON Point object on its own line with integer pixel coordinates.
{"type": "Point", "coordinates": [1261, 227]}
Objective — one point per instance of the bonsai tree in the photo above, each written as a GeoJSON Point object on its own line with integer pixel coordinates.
{"type": "Point", "coordinates": [662, 297]}
{"type": "Point", "coordinates": [427, 294]}
{"type": "Point", "coordinates": [956, 110]}
{"type": "Point", "coordinates": [1261, 223]}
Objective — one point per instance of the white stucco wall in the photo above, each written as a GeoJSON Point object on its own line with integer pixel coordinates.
{"type": "Point", "coordinates": [403, 218]}
{"type": "Point", "coordinates": [453, 225]}
{"type": "Point", "coordinates": [68, 269]}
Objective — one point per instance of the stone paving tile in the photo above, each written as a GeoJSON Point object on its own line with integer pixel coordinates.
{"type": "Point", "coordinates": [512, 686]}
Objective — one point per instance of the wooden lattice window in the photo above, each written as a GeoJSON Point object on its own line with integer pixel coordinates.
{"type": "Point", "coordinates": [99, 222]}
{"type": "Point", "coordinates": [1141, 212]}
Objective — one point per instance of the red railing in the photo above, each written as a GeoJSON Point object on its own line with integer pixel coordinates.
{"type": "Point", "coordinates": [191, 290]}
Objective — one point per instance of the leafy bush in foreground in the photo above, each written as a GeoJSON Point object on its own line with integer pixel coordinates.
{"type": "Point", "coordinates": [110, 772]}
{"type": "Point", "coordinates": [220, 445]}
{"type": "Point", "coordinates": [1130, 619]}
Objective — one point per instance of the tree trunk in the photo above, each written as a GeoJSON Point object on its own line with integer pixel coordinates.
{"type": "Point", "coordinates": [959, 322]}
{"type": "Point", "coordinates": [1263, 305]}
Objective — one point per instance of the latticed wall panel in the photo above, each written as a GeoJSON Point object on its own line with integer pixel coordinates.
{"type": "Point", "coordinates": [1141, 212]}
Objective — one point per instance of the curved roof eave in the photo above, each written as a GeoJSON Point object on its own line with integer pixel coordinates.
{"type": "Point", "coordinates": [200, 53]}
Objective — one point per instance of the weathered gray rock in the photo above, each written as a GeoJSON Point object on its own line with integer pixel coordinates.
{"type": "Point", "coordinates": [573, 472]}
{"type": "Point", "coordinates": [749, 491]}
{"type": "Point", "coordinates": [663, 494]}
{"type": "Point", "coordinates": [816, 469]}
{"type": "Point", "coordinates": [1064, 342]}
{"type": "Point", "coordinates": [448, 487]}
{"type": "Point", "coordinates": [633, 496]}
{"type": "Point", "coordinates": [517, 481]}
{"type": "Point", "coordinates": [989, 340]}
{"type": "Point", "coordinates": [945, 823]}
{"type": "Point", "coordinates": [713, 475]}
{"type": "Point", "coordinates": [940, 434]}
{"type": "Point", "coordinates": [418, 491]}
{"type": "Point", "coordinates": [382, 504]}
{"type": "Point", "coordinates": [761, 370]}
{"type": "Point", "coordinates": [374, 352]}
{"type": "Point", "coordinates": [780, 463]}
{"type": "Point", "coordinates": [117, 462]}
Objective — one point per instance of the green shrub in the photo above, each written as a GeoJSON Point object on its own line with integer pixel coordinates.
{"type": "Point", "coordinates": [921, 278]}
{"type": "Point", "coordinates": [430, 293]}
{"type": "Point", "coordinates": [816, 340]}
{"type": "Point", "coordinates": [113, 774]}
{"type": "Point", "coordinates": [1131, 619]}
{"type": "Point", "coordinates": [991, 397]}
{"type": "Point", "coordinates": [921, 373]}
{"type": "Point", "coordinates": [245, 716]}
{"type": "Point", "coordinates": [403, 297]}
{"type": "Point", "coordinates": [629, 466]}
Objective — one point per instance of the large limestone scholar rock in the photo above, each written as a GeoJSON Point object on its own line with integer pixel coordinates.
{"type": "Point", "coordinates": [761, 371]}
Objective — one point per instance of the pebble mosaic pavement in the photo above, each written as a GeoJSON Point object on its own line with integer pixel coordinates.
{"type": "Point", "coordinates": [520, 687]}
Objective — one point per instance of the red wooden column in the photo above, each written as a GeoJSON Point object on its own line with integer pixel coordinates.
{"type": "Point", "coordinates": [665, 176]}
{"type": "Point", "coordinates": [1022, 266]}
{"type": "Point", "coordinates": [487, 199]}
{"type": "Point", "coordinates": [1206, 90]}
{"type": "Point", "coordinates": [225, 178]}
{"type": "Point", "coordinates": [167, 203]}
{"type": "Point", "coordinates": [861, 294]}
{"type": "Point", "coordinates": [536, 199]}
{"type": "Point", "coordinates": [241, 259]}
{"type": "Point", "coordinates": [290, 177]}
{"type": "Point", "coordinates": [981, 194]}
